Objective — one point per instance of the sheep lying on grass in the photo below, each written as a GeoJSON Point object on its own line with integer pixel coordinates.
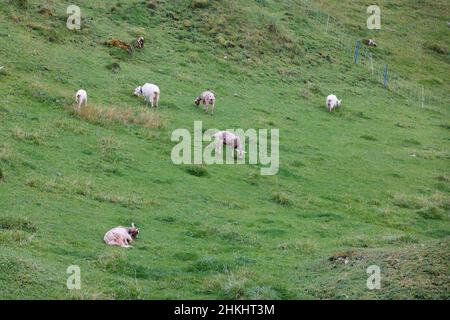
{"type": "Point", "coordinates": [150, 92]}
{"type": "Point", "coordinates": [333, 102]}
{"type": "Point", "coordinates": [207, 98]}
{"type": "Point", "coordinates": [228, 138]}
{"type": "Point", "coordinates": [121, 236]}
{"type": "Point", "coordinates": [80, 98]}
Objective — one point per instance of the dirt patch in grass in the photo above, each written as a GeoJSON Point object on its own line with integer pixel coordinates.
{"type": "Point", "coordinates": [344, 257]}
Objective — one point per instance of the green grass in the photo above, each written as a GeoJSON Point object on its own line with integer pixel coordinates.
{"type": "Point", "coordinates": [370, 179]}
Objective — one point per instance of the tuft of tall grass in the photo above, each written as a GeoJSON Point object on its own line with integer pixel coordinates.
{"type": "Point", "coordinates": [196, 4]}
{"type": "Point", "coordinates": [197, 170]}
{"type": "Point", "coordinates": [111, 115]}
{"type": "Point", "coordinates": [23, 4]}
{"type": "Point", "coordinates": [281, 199]}
{"type": "Point", "coordinates": [130, 202]}
{"type": "Point", "coordinates": [85, 188]}
{"type": "Point", "coordinates": [17, 223]}
{"type": "Point", "coordinates": [298, 246]}
{"type": "Point", "coordinates": [61, 185]}
{"type": "Point", "coordinates": [33, 137]}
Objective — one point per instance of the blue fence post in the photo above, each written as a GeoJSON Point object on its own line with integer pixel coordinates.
{"type": "Point", "coordinates": [386, 75]}
{"type": "Point", "coordinates": [358, 47]}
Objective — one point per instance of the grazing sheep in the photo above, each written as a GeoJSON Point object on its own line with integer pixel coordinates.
{"type": "Point", "coordinates": [228, 138]}
{"type": "Point", "coordinates": [80, 98]}
{"type": "Point", "coordinates": [370, 42]}
{"type": "Point", "coordinates": [207, 98]}
{"type": "Point", "coordinates": [121, 236]}
{"type": "Point", "coordinates": [150, 92]}
{"type": "Point", "coordinates": [140, 42]}
{"type": "Point", "coordinates": [333, 102]}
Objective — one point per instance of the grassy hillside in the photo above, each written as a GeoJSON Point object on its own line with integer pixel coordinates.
{"type": "Point", "coordinates": [367, 184]}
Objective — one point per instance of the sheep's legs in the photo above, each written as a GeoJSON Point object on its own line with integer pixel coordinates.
{"type": "Point", "coordinates": [219, 146]}
{"type": "Point", "coordinates": [212, 108]}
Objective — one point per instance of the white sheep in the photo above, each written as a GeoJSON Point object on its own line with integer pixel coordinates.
{"type": "Point", "coordinates": [150, 92]}
{"type": "Point", "coordinates": [333, 102]}
{"type": "Point", "coordinates": [206, 98]}
{"type": "Point", "coordinates": [371, 43]}
{"type": "Point", "coordinates": [230, 139]}
{"type": "Point", "coordinates": [80, 98]}
{"type": "Point", "coordinates": [121, 236]}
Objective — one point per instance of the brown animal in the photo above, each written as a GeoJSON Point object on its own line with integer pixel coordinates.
{"type": "Point", "coordinates": [120, 44]}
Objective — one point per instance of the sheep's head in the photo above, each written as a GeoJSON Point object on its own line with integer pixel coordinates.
{"type": "Point", "coordinates": [240, 153]}
{"type": "Point", "coordinates": [140, 42]}
{"type": "Point", "coordinates": [197, 101]}
{"type": "Point", "coordinates": [138, 91]}
{"type": "Point", "coordinates": [133, 231]}
{"type": "Point", "coordinates": [238, 147]}
{"type": "Point", "coordinates": [339, 103]}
